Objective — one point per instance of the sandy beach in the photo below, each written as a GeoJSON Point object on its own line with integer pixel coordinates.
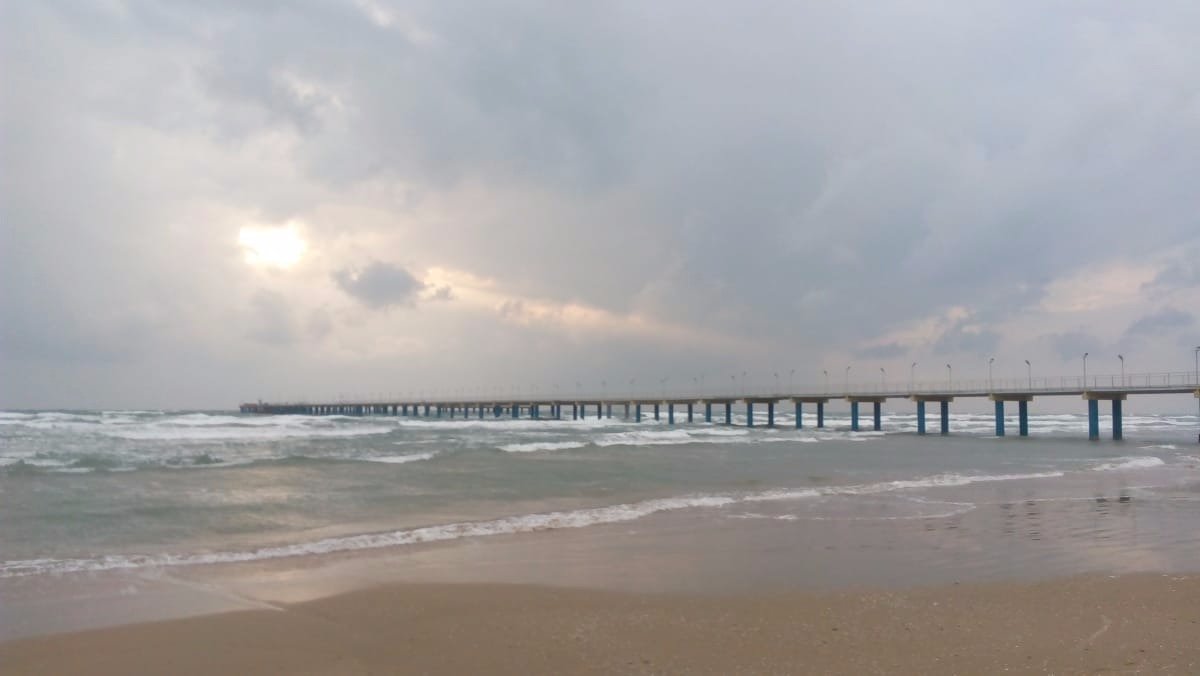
{"type": "Point", "coordinates": [1087, 624]}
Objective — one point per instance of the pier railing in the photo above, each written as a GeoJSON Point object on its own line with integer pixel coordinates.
{"type": "Point", "coordinates": [1149, 383]}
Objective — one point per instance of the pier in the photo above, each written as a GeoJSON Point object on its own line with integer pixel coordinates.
{"type": "Point", "coordinates": [1112, 391]}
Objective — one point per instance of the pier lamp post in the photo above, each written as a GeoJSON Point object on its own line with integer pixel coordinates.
{"type": "Point", "coordinates": [792, 381]}
{"type": "Point", "coordinates": [847, 380]}
{"type": "Point", "coordinates": [1085, 355]}
{"type": "Point", "coordinates": [882, 379]}
{"type": "Point", "coordinates": [912, 377]}
{"type": "Point", "coordinates": [827, 378]}
{"type": "Point", "coordinates": [1029, 373]}
{"type": "Point", "coordinates": [702, 384]}
{"type": "Point", "coordinates": [604, 389]}
{"type": "Point", "coordinates": [743, 383]}
{"type": "Point", "coordinates": [777, 382]}
{"type": "Point", "coordinates": [991, 360]}
{"type": "Point", "coordinates": [631, 390]}
{"type": "Point", "coordinates": [732, 385]}
{"type": "Point", "coordinates": [663, 384]}
{"type": "Point", "coordinates": [1122, 359]}
{"type": "Point", "coordinates": [949, 377]}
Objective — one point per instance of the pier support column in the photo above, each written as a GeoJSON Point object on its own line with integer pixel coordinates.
{"type": "Point", "coordinates": [945, 406]}
{"type": "Point", "coordinates": [920, 417]}
{"type": "Point", "coordinates": [599, 411]}
{"type": "Point", "coordinates": [1093, 420]}
{"type": "Point", "coordinates": [820, 415]}
{"type": "Point", "coordinates": [1116, 417]}
{"type": "Point", "coordinates": [770, 414]}
{"type": "Point", "coordinates": [728, 413]}
{"type": "Point", "coordinates": [749, 414]}
{"type": "Point", "coordinates": [638, 409]}
{"type": "Point", "coordinates": [574, 411]}
{"type": "Point", "coordinates": [854, 416]}
{"type": "Point", "coordinates": [453, 411]}
{"type": "Point", "coordinates": [799, 416]}
{"type": "Point", "coordinates": [516, 411]}
{"type": "Point", "coordinates": [671, 414]}
{"type": "Point", "coordinates": [479, 409]}
{"type": "Point", "coordinates": [1023, 418]}
{"type": "Point", "coordinates": [656, 412]}
{"type": "Point", "coordinates": [439, 411]}
{"type": "Point", "coordinates": [878, 415]}
{"type": "Point", "coordinates": [999, 418]}
{"type": "Point", "coordinates": [708, 412]}
{"type": "Point", "coordinates": [627, 411]}
{"type": "Point", "coordinates": [608, 409]}
{"type": "Point", "coordinates": [690, 413]}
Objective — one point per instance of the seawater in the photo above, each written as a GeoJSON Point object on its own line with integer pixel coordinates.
{"type": "Point", "coordinates": [115, 490]}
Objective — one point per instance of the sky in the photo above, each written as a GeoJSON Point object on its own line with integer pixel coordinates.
{"type": "Point", "coordinates": [209, 203]}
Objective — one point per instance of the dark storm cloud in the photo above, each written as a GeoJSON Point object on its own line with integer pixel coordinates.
{"type": "Point", "coordinates": [1166, 321]}
{"type": "Point", "coordinates": [380, 285]}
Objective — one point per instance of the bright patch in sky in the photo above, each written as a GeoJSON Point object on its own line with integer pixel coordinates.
{"type": "Point", "coordinates": [279, 247]}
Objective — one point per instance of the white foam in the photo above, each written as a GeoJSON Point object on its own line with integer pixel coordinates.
{"type": "Point", "coordinates": [1138, 462]}
{"type": "Point", "coordinates": [508, 525]}
{"type": "Point", "coordinates": [535, 446]}
{"type": "Point", "coordinates": [396, 459]}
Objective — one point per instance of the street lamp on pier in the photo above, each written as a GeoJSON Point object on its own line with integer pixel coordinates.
{"type": "Point", "coordinates": [991, 360]}
{"type": "Point", "coordinates": [882, 379]}
{"type": "Point", "coordinates": [949, 377]}
{"type": "Point", "coordinates": [847, 380]}
{"type": "Point", "coordinates": [1085, 356]}
{"type": "Point", "coordinates": [912, 377]}
{"type": "Point", "coordinates": [827, 377]}
{"type": "Point", "coordinates": [1029, 373]}
{"type": "Point", "coordinates": [1122, 358]}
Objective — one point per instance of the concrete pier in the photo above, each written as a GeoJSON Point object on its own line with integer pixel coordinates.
{"type": "Point", "coordinates": [1096, 389]}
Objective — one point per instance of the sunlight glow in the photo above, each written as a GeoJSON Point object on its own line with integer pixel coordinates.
{"type": "Point", "coordinates": [279, 247]}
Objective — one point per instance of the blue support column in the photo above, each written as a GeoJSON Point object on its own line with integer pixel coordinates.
{"type": "Point", "coordinates": [452, 412]}
{"type": "Point", "coordinates": [799, 416]}
{"type": "Point", "coordinates": [999, 418]}
{"type": "Point", "coordinates": [497, 411]}
{"type": "Point", "coordinates": [878, 415]}
{"type": "Point", "coordinates": [599, 410]}
{"type": "Point", "coordinates": [690, 419]}
{"type": "Point", "coordinates": [479, 410]}
{"type": "Point", "coordinates": [707, 411]}
{"type": "Point", "coordinates": [671, 414]}
{"type": "Point", "coordinates": [820, 414]}
{"type": "Point", "coordinates": [608, 407]}
{"type": "Point", "coordinates": [920, 417]}
{"type": "Point", "coordinates": [1116, 408]}
{"type": "Point", "coordinates": [1093, 420]}
{"type": "Point", "coordinates": [728, 413]}
{"type": "Point", "coordinates": [427, 410]}
{"type": "Point", "coordinates": [749, 414]}
{"type": "Point", "coordinates": [945, 406]}
{"type": "Point", "coordinates": [854, 416]}
{"type": "Point", "coordinates": [574, 411]}
{"type": "Point", "coordinates": [638, 408]}
{"type": "Point", "coordinates": [1023, 418]}
{"type": "Point", "coordinates": [770, 414]}
{"type": "Point", "coordinates": [627, 411]}
{"type": "Point", "coordinates": [656, 412]}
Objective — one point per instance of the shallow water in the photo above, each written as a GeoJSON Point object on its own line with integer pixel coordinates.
{"type": "Point", "coordinates": [90, 491]}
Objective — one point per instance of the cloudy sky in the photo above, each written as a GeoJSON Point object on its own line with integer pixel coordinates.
{"type": "Point", "coordinates": [205, 203]}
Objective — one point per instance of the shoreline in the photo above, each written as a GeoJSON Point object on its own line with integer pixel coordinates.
{"type": "Point", "coordinates": [1077, 624]}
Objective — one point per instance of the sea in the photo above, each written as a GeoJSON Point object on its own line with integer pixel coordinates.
{"type": "Point", "coordinates": [89, 491]}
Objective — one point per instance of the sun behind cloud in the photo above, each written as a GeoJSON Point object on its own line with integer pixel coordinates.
{"type": "Point", "coordinates": [272, 246]}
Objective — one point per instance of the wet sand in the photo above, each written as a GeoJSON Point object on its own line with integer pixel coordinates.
{"type": "Point", "coordinates": [1086, 624]}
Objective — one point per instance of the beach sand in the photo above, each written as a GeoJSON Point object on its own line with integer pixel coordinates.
{"type": "Point", "coordinates": [1077, 625]}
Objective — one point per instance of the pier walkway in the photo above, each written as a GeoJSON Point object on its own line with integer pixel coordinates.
{"type": "Point", "coordinates": [691, 405]}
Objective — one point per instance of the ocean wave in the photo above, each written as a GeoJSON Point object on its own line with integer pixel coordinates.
{"type": "Point", "coordinates": [535, 446]}
{"type": "Point", "coordinates": [558, 520]}
{"type": "Point", "coordinates": [1135, 462]}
